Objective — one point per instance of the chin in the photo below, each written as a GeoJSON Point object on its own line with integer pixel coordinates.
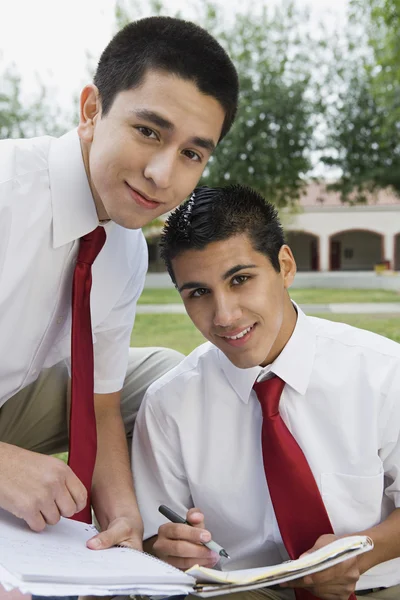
{"type": "Point", "coordinates": [128, 221]}
{"type": "Point", "coordinates": [243, 363]}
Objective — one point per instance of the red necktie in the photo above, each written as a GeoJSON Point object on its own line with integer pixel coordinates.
{"type": "Point", "coordinates": [297, 502]}
{"type": "Point", "coordinates": [82, 430]}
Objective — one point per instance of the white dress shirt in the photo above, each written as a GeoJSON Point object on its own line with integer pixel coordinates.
{"type": "Point", "coordinates": [197, 440]}
{"type": "Point", "coordinates": [45, 207]}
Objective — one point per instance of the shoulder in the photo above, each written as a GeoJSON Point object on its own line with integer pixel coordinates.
{"type": "Point", "coordinates": [130, 245]}
{"type": "Point", "coordinates": [22, 156]}
{"type": "Point", "coordinates": [185, 377]}
{"type": "Point", "coordinates": [346, 338]}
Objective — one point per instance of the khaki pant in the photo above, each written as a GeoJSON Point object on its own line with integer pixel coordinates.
{"type": "Point", "coordinates": [392, 593]}
{"type": "Point", "coordinates": [36, 417]}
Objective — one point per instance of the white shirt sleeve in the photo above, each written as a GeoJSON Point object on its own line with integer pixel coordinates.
{"type": "Point", "coordinates": [112, 336]}
{"type": "Point", "coordinates": [390, 440]}
{"type": "Point", "coordinates": [157, 464]}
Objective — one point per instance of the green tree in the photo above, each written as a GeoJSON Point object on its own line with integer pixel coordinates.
{"type": "Point", "coordinates": [270, 144]}
{"type": "Point", "coordinates": [19, 118]}
{"type": "Point", "coordinates": [362, 122]}
{"type": "Point", "coordinates": [381, 20]}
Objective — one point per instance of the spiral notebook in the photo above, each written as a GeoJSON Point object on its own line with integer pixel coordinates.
{"type": "Point", "coordinates": [57, 562]}
{"type": "Point", "coordinates": [58, 556]}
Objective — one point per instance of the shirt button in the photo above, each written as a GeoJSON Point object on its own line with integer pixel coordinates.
{"type": "Point", "coordinates": [34, 371]}
{"type": "Point", "coordinates": [60, 320]}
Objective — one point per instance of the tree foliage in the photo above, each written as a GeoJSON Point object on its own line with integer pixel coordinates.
{"type": "Point", "coordinates": [358, 140]}
{"type": "Point", "coordinates": [27, 118]}
{"type": "Point", "coordinates": [363, 117]}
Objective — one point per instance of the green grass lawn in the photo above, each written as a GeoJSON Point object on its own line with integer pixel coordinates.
{"type": "Point", "coordinates": [178, 332]}
{"type": "Point", "coordinates": [301, 296]}
{"type": "Point", "coordinates": [159, 296]}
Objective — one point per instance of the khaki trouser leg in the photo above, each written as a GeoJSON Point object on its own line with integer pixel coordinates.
{"type": "Point", "coordinates": [36, 417]}
{"type": "Point", "coordinates": [390, 593]}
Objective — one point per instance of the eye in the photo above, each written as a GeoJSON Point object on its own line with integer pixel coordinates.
{"type": "Point", "coordinates": [239, 279]}
{"type": "Point", "coordinates": [147, 132]}
{"type": "Point", "coordinates": [192, 155]}
{"type": "Point", "coordinates": [199, 292]}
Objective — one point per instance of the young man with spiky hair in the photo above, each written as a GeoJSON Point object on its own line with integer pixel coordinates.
{"type": "Point", "coordinates": [164, 95]}
{"type": "Point", "coordinates": [281, 432]}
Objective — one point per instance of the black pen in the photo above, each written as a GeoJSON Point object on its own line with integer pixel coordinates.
{"type": "Point", "coordinates": [174, 518]}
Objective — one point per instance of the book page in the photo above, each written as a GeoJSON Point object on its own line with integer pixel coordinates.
{"type": "Point", "coordinates": [330, 554]}
{"type": "Point", "coordinates": [59, 554]}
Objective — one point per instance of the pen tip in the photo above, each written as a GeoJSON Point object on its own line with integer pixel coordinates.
{"type": "Point", "coordinates": [224, 553]}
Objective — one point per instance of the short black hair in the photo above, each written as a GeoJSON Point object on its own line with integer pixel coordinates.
{"type": "Point", "coordinates": [172, 45]}
{"type": "Point", "coordinates": [217, 214]}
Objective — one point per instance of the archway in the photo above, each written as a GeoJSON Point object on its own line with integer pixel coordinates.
{"type": "Point", "coordinates": [397, 252]}
{"type": "Point", "coordinates": [305, 248]}
{"type": "Point", "coordinates": [355, 250]}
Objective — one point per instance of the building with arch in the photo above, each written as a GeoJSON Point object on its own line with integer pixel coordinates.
{"type": "Point", "coordinates": [327, 235]}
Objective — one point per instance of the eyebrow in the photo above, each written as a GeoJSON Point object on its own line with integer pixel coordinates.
{"type": "Point", "coordinates": [153, 117]}
{"type": "Point", "coordinates": [190, 285]}
{"type": "Point", "coordinates": [206, 143]}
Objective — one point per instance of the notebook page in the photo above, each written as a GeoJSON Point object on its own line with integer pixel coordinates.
{"type": "Point", "coordinates": [59, 554]}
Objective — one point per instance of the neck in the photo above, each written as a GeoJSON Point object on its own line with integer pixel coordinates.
{"type": "Point", "coordinates": [288, 324]}
{"type": "Point", "coordinates": [101, 211]}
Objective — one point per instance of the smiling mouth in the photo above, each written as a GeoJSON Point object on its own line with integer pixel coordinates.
{"type": "Point", "coordinates": [142, 199]}
{"type": "Point", "coordinates": [239, 335]}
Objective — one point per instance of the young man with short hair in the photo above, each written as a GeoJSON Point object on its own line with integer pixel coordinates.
{"type": "Point", "coordinates": [164, 94]}
{"type": "Point", "coordinates": [282, 431]}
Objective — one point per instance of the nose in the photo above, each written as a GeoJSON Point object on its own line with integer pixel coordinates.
{"type": "Point", "coordinates": [227, 310]}
{"type": "Point", "coordinates": [160, 169]}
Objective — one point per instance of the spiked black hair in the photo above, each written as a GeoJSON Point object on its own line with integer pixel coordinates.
{"type": "Point", "coordinates": [172, 46]}
{"type": "Point", "coordinates": [216, 214]}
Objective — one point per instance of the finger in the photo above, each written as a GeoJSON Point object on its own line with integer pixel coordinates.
{"type": "Point", "coordinates": [196, 518]}
{"type": "Point", "coordinates": [35, 521]}
{"type": "Point", "coordinates": [177, 531]}
{"type": "Point", "coordinates": [77, 490]}
{"type": "Point", "coordinates": [65, 503]}
{"type": "Point", "coordinates": [184, 549]}
{"type": "Point", "coordinates": [301, 582]}
{"type": "Point", "coordinates": [115, 535]}
{"type": "Point", "coordinates": [50, 513]}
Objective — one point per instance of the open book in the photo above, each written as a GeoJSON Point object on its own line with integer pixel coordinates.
{"type": "Point", "coordinates": [211, 582]}
{"type": "Point", "coordinates": [57, 562]}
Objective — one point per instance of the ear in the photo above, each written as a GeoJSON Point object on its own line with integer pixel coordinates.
{"type": "Point", "coordinates": [288, 265]}
{"type": "Point", "coordinates": [89, 112]}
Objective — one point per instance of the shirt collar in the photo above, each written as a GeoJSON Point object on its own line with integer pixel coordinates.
{"type": "Point", "coordinates": [74, 210]}
{"type": "Point", "coordinates": [293, 365]}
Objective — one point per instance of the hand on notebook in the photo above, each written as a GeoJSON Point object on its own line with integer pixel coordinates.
{"type": "Point", "coordinates": [336, 583]}
{"type": "Point", "coordinates": [181, 545]}
{"type": "Point", "coordinates": [122, 531]}
{"type": "Point", "coordinates": [37, 488]}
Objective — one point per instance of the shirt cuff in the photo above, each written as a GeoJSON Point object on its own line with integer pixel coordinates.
{"type": "Point", "coordinates": [108, 386]}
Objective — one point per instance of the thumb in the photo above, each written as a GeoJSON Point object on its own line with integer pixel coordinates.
{"type": "Point", "coordinates": [322, 541]}
{"type": "Point", "coordinates": [195, 517]}
{"type": "Point", "coordinates": [112, 536]}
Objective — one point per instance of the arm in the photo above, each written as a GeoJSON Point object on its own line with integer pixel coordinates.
{"type": "Point", "coordinates": [386, 538]}
{"type": "Point", "coordinates": [340, 581]}
{"type": "Point", "coordinates": [114, 499]}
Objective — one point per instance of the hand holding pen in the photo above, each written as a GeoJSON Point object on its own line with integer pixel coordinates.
{"type": "Point", "coordinates": [183, 543]}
